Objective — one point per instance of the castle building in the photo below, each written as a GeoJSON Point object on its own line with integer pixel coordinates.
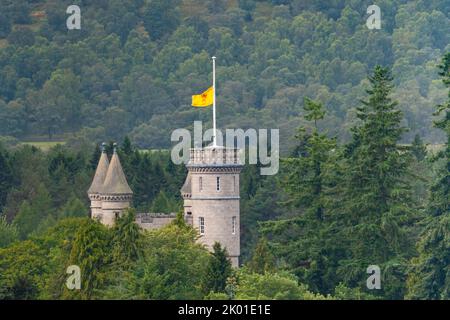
{"type": "Point", "coordinates": [210, 194]}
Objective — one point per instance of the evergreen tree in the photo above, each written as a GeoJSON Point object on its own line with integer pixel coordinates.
{"type": "Point", "coordinates": [33, 212]}
{"type": "Point", "coordinates": [95, 157]}
{"type": "Point", "coordinates": [307, 240]}
{"type": "Point", "coordinates": [218, 270]}
{"type": "Point", "coordinates": [6, 177]}
{"type": "Point", "coordinates": [126, 241]}
{"type": "Point", "coordinates": [90, 251]}
{"type": "Point", "coordinates": [418, 148]}
{"type": "Point", "coordinates": [8, 233]}
{"type": "Point", "coordinates": [163, 204]}
{"type": "Point", "coordinates": [263, 260]}
{"type": "Point", "coordinates": [430, 276]}
{"type": "Point", "coordinates": [377, 200]}
{"type": "Point", "coordinates": [74, 208]}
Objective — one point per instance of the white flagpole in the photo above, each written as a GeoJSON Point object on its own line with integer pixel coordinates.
{"type": "Point", "coordinates": [214, 101]}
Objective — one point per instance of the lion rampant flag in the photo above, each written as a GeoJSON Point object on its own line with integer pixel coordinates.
{"type": "Point", "coordinates": [203, 100]}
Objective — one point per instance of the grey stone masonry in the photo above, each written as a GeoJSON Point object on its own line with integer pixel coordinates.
{"type": "Point", "coordinates": [211, 197]}
{"type": "Point", "coordinates": [150, 221]}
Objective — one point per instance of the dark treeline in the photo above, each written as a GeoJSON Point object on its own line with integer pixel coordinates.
{"type": "Point", "coordinates": [134, 65]}
{"type": "Point", "coordinates": [309, 232]}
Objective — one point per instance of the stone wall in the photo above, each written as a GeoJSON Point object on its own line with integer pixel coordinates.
{"type": "Point", "coordinates": [150, 221]}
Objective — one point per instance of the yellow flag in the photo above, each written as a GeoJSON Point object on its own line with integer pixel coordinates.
{"type": "Point", "coordinates": [203, 100]}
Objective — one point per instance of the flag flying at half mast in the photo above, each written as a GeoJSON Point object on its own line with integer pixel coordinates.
{"type": "Point", "coordinates": [203, 100]}
{"type": "Point", "coordinates": [208, 98]}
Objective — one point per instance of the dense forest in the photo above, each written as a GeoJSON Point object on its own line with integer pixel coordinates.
{"type": "Point", "coordinates": [358, 183]}
{"type": "Point", "coordinates": [135, 64]}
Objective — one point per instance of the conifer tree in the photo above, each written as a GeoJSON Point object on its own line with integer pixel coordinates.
{"type": "Point", "coordinates": [263, 260]}
{"type": "Point", "coordinates": [218, 270]}
{"type": "Point", "coordinates": [418, 148]}
{"type": "Point", "coordinates": [430, 275]}
{"type": "Point", "coordinates": [307, 241]}
{"type": "Point", "coordinates": [74, 208]}
{"type": "Point", "coordinates": [90, 251]}
{"type": "Point", "coordinates": [5, 177]}
{"type": "Point", "coordinates": [377, 194]}
{"type": "Point", "coordinates": [126, 239]}
{"type": "Point", "coordinates": [33, 212]}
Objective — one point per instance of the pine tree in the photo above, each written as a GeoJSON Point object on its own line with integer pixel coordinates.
{"type": "Point", "coordinates": [126, 240]}
{"type": "Point", "coordinates": [33, 212]}
{"type": "Point", "coordinates": [418, 148]}
{"type": "Point", "coordinates": [218, 270]}
{"type": "Point", "coordinates": [430, 276]}
{"type": "Point", "coordinates": [95, 157]}
{"type": "Point", "coordinates": [305, 183]}
{"type": "Point", "coordinates": [161, 203]}
{"type": "Point", "coordinates": [263, 260]}
{"type": "Point", "coordinates": [74, 208]}
{"type": "Point", "coordinates": [377, 199]}
{"type": "Point", "coordinates": [90, 251]}
{"type": "Point", "coordinates": [307, 241]}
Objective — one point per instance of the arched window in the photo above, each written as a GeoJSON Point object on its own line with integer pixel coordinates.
{"type": "Point", "coordinates": [218, 183]}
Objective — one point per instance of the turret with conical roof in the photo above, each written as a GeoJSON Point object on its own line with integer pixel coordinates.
{"type": "Point", "coordinates": [116, 194]}
{"type": "Point", "coordinates": [96, 187]}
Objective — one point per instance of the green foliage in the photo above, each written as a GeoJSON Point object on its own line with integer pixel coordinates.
{"type": "Point", "coordinates": [272, 286]}
{"type": "Point", "coordinates": [137, 63]}
{"type": "Point", "coordinates": [127, 239]}
{"type": "Point", "coordinates": [172, 267]}
{"type": "Point", "coordinates": [429, 278]}
{"type": "Point", "coordinates": [91, 252]}
{"type": "Point", "coordinates": [74, 208]}
{"type": "Point", "coordinates": [8, 233]}
{"type": "Point", "coordinates": [33, 213]}
{"type": "Point", "coordinates": [378, 206]}
{"type": "Point", "coordinates": [263, 260]}
{"type": "Point", "coordinates": [418, 148]}
{"type": "Point", "coordinates": [217, 271]}
{"type": "Point", "coordinates": [5, 177]}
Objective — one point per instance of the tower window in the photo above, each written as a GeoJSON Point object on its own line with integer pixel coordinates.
{"type": "Point", "coordinates": [218, 183]}
{"type": "Point", "coordinates": [233, 225]}
{"type": "Point", "coordinates": [200, 184]}
{"type": "Point", "coordinates": [201, 224]}
{"type": "Point", "coordinates": [234, 183]}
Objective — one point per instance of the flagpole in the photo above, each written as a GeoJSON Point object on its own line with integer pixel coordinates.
{"type": "Point", "coordinates": [214, 102]}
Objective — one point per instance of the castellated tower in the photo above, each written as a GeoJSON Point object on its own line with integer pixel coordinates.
{"type": "Point", "coordinates": [211, 197]}
{"type": "Point", "coordinates": [109, 193]}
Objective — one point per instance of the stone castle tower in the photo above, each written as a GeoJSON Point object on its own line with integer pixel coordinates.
{"type": "Point", "coordinates": [211, 197]}
{"type": "Point", "coordinates": [109, 193]}
{"type": "Point", "coordinates": [210, 193]}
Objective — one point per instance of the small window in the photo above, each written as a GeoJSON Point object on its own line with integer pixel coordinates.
{"type": "Point", "coordinates": [116, 214]}
{"type": "Point", "coordinates": [218, 183]}
{"type": "Point", "coordinates": [200, 184]}
{"type": "Point", "coordinates": [233, 225]}
{"type": "Point", "coordinates": [201, 223]}
{"type": "Point", "coordinates": [234, 183]}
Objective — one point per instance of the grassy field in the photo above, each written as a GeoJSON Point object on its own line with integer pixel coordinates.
{"type": "Point", "coordinates": [43, 145]}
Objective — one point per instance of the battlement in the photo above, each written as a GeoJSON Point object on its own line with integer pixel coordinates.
{"type": "Point", "coordinates": [154, 220]}
{"type": "Point", "coordinates": [214, 156]}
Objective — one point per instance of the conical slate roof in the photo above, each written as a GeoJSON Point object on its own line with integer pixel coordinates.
{"type": "Point", "coordinates": [100, 175]}
{"type": "Point", "coordinates": [115, 181]}
{"type": "Point", "coordinates": [186, 188]}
